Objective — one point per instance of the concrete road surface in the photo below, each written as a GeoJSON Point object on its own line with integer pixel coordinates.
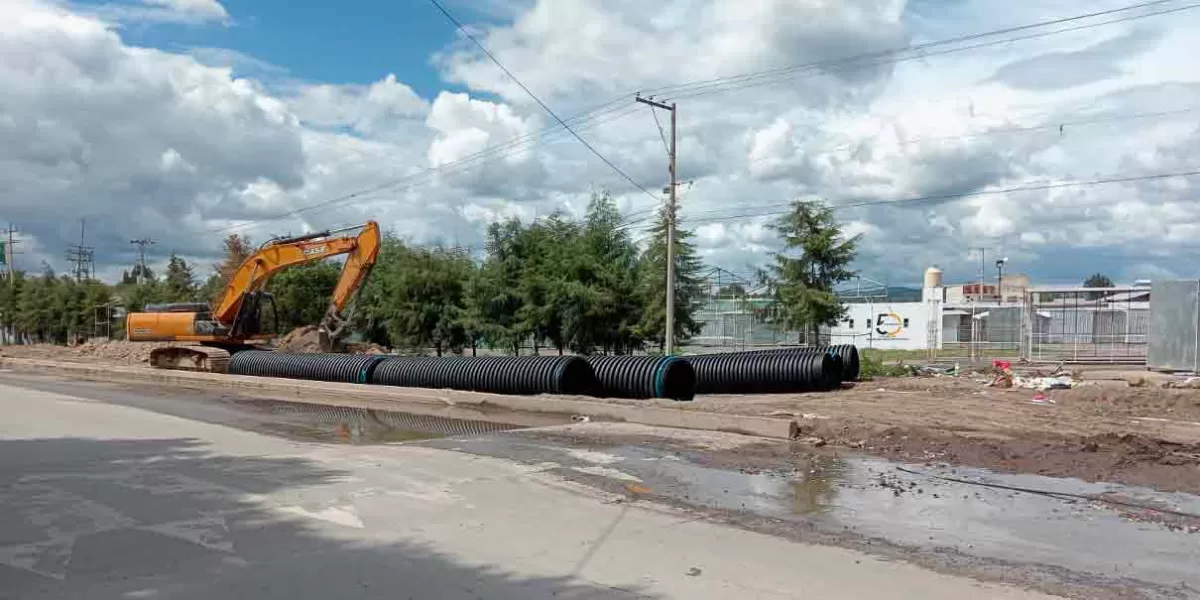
{"type": "Point", "coordinates": [100, 500]}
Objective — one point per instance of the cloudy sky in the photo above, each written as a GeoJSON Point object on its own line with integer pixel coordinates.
{"type": "Point", "coordinates": [185, 120]}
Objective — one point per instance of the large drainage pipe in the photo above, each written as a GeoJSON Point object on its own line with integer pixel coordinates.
{"type": "Point", "coordinates": [345, 368]}
{"type": "Point", "coordinates": [644, 377]}
{"type": "Point", "coordinates": [848, 353]}
{"type": "Point", "coordinates": [766, 372]}
{"type": "Point", "coordinates": [496, 374]}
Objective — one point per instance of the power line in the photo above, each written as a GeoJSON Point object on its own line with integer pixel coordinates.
{"type": "Point", "coordinates": [661, 133]}
{"type": "Point", "coordinates": [614, 106]}
{"type": "Point", "coordinates": [561, 122]}
{"type": "Point", "coordinates": [891, 52]}
{"type": "Point", "coordinates": [777, 79]}
{"type": "Point", "coordinates": [451, 168]}
{"type": "Point", "coordinates": [1060, 125]}
{"type": "Point", "coordinates": [940, 197]}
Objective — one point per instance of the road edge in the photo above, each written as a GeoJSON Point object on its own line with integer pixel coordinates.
{"type": "Point", "coordinates": [518, 410]}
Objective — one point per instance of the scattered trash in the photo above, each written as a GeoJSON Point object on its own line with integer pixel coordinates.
{"type": "Point", "coordinates": [1062, 382]}
{"type": "Point", "coordinates": [934, 370]}
{"type": "Point", "coordinates": [1040, 398]}
{"type": "Point", "coordinates": [1189, 383]}
{"type": "Point", "coordinates": [1003, 365]}
{"type": "Point", "coordinates": [634, 488]}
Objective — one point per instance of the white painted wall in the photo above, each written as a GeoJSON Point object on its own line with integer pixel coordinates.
{"type": "Point", "coordinates": [888, 325]}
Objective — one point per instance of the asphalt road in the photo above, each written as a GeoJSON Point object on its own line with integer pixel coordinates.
{"type": "Point", "coordinates": [103, 498]}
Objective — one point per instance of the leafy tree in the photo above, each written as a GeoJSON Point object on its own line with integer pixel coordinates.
{"type": "Point", "coordinates": [35, 309]}
{"type": "Point", "coordinates": [180, 281]}
{"type": "Point", "coordinates": [689, 285]}
{"type": "Point", "coordinates": [416, 297]}
{"type": "Point", "coordinates": [302, 293]}
{"type": "Point", "coordinates": [607, 266]}
{"type": "Point", "coordinates": [134, 298]}
{"type": "Point", "coordinates": [493, 297]}
{"type": "Point", "coordinates": [10, 291]}
{"type": "Point", "coordinates": [236, 249]}
{"type": "Point", "coordinates": [139, 273]}
{"type": "Point", "coordinates": [803, 284]}
{"type": "Point", "coordinates": [552, 300]}
{"type": "Point", "coordinates": [1097, 280]}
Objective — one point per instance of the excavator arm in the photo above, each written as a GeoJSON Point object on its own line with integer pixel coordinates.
{"type": "Point", "coordinates": [253, 274]}
{"type": "Point", "coordinates": [354, 274]}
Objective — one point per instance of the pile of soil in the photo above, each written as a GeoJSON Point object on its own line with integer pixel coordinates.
{"type": "Point", "coordinates": [301, 340]}
{"type": "Point", "coordinates": [307, 340]}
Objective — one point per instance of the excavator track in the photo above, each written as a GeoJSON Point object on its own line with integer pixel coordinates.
{"type": "Point", "coordinates": [190, 358]}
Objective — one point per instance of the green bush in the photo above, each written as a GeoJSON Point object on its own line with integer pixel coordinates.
{"type": "Point", "coordinates": [871, 367]}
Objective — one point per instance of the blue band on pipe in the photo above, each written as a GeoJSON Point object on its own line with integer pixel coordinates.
{"type": "Point", "coordinates": [660, 376]}
{"type": "Point", "coordinates": [365, 371]}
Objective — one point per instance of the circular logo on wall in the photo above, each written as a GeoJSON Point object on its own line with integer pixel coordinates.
{"type": "Point", "coordinates": [889, 324]}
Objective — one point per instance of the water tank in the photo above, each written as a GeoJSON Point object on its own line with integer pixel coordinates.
{"type": "Point", "coordinates": [933, 277]}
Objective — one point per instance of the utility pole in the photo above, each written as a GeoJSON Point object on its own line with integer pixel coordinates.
{"type": "Point", "coordinates": [669, 336]}
{"type": "Point", "coordinates": [82, 256]}
{"type": "Point", "coordinates": [8, 257]}
{"type": "Point", "coordinates": [8, 254]}
{"type": "Point", "coordinates": [140, 267]}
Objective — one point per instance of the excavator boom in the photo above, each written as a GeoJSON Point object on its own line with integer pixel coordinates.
{"type": "Point", "coordinates": [235, 318]}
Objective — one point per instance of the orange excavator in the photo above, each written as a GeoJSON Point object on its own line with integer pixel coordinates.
{"type": "Point", "coordinates": [235, 321]}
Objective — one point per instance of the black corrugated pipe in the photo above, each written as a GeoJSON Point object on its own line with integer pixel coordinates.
{"type": "Point", "coordinates": [644, 377]}
{"type": "Point", "coordinates": [766, 372]}
{"type": "Point", "coordinates": [345, 368]}
{"type": "Point", "coordinates": [497, 374]}
{"type": "Point", "coordinates": [848, 352]}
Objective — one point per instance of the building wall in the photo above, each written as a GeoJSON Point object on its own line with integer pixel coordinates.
{"type": "Point", "coordinates": [895, 325]}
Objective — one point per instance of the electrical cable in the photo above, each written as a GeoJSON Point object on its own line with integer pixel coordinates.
{"type": "Point", "coordinates": [956, 196]}
{"type": "Point", "coordinates": [662, 134]}
{"type": "Point", "coordinates": [770, 81]}
{"type": "Point", "coordinates": [415, 179]}
{"type": "Point", "coordinates": [1060, 125]}
{"type": "Point", "coordinates": [753, 75]}
{"type": "Point", "coordinates": [550, 112]}
{"type": "Point", "coordinates": [609, 107]}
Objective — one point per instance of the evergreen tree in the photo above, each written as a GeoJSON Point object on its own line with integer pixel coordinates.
{"type": "Point", "coordinates": [180, 281]}
{"type": "Point", "coordinates": [817, 257]}
{"type": "Point", "coordinates": [652, 288]}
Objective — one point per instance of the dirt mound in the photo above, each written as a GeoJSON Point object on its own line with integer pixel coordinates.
{"type": "Point", "coordinates": [307, 340]}
{"type": "Point", "coordinates": [111, 352]}
{"type": "Point", "coordinates": [365, 348]}
{"type": "Point", "coordinates": [301, 340]}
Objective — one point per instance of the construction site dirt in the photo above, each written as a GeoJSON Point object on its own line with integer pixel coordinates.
{"type": "Point", "coordinates": [1114, 426]}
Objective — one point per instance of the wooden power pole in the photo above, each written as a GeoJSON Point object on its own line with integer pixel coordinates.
{"type": "Point", "coordinates": [672, 188]}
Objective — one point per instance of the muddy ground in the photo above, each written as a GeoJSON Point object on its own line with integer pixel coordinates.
{"type": "Point", "coordinates": [1116, 426]}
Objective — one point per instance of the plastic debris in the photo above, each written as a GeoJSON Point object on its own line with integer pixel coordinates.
{"type": "Point", "coordinates": [1040, 398]}
{"type": "Point", "coordinates": [1061, 382]}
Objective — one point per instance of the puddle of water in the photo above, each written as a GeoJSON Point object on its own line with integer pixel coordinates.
{"type": "Point", "coordinates": [340, 424]}
{"type": "Point", "coordinates": [870, 497]}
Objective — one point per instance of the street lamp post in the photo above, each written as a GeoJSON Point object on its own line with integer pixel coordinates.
{"type": "Point", "coordinates": [1000, 280]}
